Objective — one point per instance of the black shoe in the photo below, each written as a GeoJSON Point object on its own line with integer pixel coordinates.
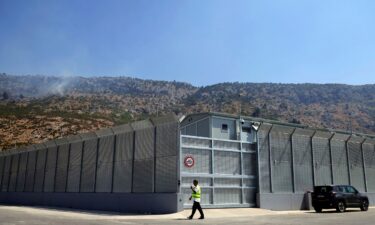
{"type": "Point", "coordinates": [201, 218]}
{"type": "Point", "coordinates": [189, 217]}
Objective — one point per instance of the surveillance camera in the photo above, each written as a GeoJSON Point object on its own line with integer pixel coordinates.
{"type": "Point", "coordinates": [255, 125]}
{"type": "Point", "coordinates": [242, 121]}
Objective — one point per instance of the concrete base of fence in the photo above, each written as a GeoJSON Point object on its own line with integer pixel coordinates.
{"type": "Point", "coordinates": [155, 203]}
{"type": "Point", "coordinates": [371, 198]}
{"type": "Point", "coordinates": [284, 201]}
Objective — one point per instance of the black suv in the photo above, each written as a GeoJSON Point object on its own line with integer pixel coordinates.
{"type": "Point", "coordinates": [339, 197]}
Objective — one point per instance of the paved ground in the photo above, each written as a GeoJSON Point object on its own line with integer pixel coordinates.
{"type": "Point", "coordinates": [39, 216]}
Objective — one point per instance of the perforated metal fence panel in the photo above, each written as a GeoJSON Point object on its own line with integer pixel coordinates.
{"type": "Point", "coordinates": [196, 142]}
{"type": "Point", "coordinates": [166, 137]}
{"type": "Point", "coordinates": [22, 172]}
{"type": "Point", "coordinates": [166, 152]}
{"type": "Point", "coordinates": [89, 162]}
{"type": "Point", "coordinates": [227, 162]}
{"type": "Point", "coordinates": [30, 172]}
{"type": "Point", "coordinates": [264, 158]}
{"type": "Point", "coordinates": [13, 173]}
{"type": "Point", "coordinates": [105, 161]}
{"type": "Point", "coordinates": [2, 162]}
{"type": "Point", "coordinates": [356, 163]}
{"type": "Point", "coordinates": [339, 160]}
{"type": "Point", "coordinates": [226, 145]}
{"type": "Point", "coordinates": [50, 171]}
{"type": "Point", "coordinates": [143, 179]}
{"type": "Point", "coordinates": [322, 158]}
{"type": "Point", "coordinates": [166, 174]}
{"type": "Point", "coordinates": [6, 174]}
{"type": "Point", "coordinates": [202, 161]}
{"type": "Point", "coordinates": [302, 160]}
{"type": "Point", "coordinates": [228, 196]}
{"type": "Point", "coordinates": [62, 165]}
{"type": "Point", "coordinates": [123, 167]}
{"type": "Point", "coordinates": [143, 174]}
{"type": "Point", "coordinates": [99, 162]}
{"type": "Point", "coordinates": [40, 169]}
{"type": "Point", "coordinates": [144, 140]}
{"type": "Point", "coordinates": [281, 156]}
{"type": "Point", "coordinates": [227, 182]}
{"type": "Point", "coordinates": [369, 156]}
{"type": "Point", "coordinates": [74, 169]}
{"type": "Point", "coordinates": [249, 161]}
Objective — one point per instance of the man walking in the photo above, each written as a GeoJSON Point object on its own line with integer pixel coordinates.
{"type": "Point", "coordinates": [196, 196]}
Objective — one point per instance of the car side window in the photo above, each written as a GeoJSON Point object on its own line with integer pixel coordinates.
{"type": "Point", "coordinates": [350, 189]}
{"type": "Point", "coordinates": [340, 189]}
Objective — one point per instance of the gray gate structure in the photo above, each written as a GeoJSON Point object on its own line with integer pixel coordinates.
{"type": "Point", "coordinates": [244, 161]}
{"type": "Point", "coordinates": [129, 168]}
{"type": "Point", "coordinates": [226, 168]}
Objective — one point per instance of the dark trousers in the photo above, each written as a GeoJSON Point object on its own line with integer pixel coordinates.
{"type": "Point", "coordinates": [196, 206]}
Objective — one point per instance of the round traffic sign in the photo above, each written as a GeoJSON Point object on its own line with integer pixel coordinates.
{"type": "Point", "coordinates": [189, 161]}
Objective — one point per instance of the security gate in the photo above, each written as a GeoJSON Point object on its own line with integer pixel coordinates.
{"type": "Point", "coordinates": [226, 171]}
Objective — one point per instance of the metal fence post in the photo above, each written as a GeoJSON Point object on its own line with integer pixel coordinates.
{"type": "Point", "coordinates": [270, 158]}
{"type": "Point", "coordinates": [292, 160]}
{"type": "Point", "coordinates": [56, 167]}
{"type": "Point", "coordinates": [179, 183]}
{"type": "Point", "coordinates": [312, 158]}
{"type": "Point", "coordinates": [132, 182]}
{"type": "Point", "coordinates": [26, 168]}
{"type": "Point", "coordinates": [17, 171]}
{"type": "Point", "coordinates": [330, 156]}
{"type": "Point", "coordinates": [67, 168]}
{"type": "Point", "coordinates": [35, 166]}
{"type": "Point", "coordinates": [45, 166]}
{"type": "Point", "coordinates": [80, 172]}
{"type": "Point", "coordinates": [258, 159]}
{"type": "Point", "coordinates": [113, 159]}
{"type": "Point", "coordinates": [96, 161]}
{"type": "Point", "coordinates": [347, 159]}
{"type": "Point", "coordinates": [363, 165]}
{"type": "Point", "coordinates": [10, 171]}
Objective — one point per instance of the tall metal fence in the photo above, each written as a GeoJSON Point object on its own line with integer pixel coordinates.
{"type": "Point", "coordinates": [141, 157]}
{"type": "Point", "coordinates": [293, 160]}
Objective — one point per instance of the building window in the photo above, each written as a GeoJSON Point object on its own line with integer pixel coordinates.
{"type": "Point", "coordinates": [224, 128]}
{"type": "Point", "coordinates": [246, 129]}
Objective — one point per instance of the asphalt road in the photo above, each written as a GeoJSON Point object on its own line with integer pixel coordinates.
{"type": "Point", "coordinates": [40, 216]}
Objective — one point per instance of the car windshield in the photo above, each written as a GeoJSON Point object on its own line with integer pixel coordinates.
{"type": "Point", "coordinates": [322, 189]}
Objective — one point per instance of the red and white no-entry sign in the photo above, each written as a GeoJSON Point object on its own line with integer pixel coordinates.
{"type": "Point", "coordinates": [189, 161]}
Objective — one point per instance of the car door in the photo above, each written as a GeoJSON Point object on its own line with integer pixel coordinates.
{"type": "Point", "coordinates": [356, 196]}
{"type": "Point", "coordinates": [350, 194]}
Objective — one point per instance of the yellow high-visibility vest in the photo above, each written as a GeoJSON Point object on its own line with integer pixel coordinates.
{"type": "Point", "coordinates": [197, 194]}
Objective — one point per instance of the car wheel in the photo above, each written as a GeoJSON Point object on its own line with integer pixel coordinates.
{"type": "Point", "coordinates": [318, 210]}
{"type": "Point", "coordinates": [364, 205]}
{"type": "Point", "coordinates": [340, 207]}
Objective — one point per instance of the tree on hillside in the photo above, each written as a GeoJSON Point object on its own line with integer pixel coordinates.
{"type": "Point", "coordinates": [256, 112]}
{"type": "Point", "coordinates": [5, 95]}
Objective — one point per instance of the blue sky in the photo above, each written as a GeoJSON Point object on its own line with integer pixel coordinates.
{"type": "Point", "coordinates": [195, 41]}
